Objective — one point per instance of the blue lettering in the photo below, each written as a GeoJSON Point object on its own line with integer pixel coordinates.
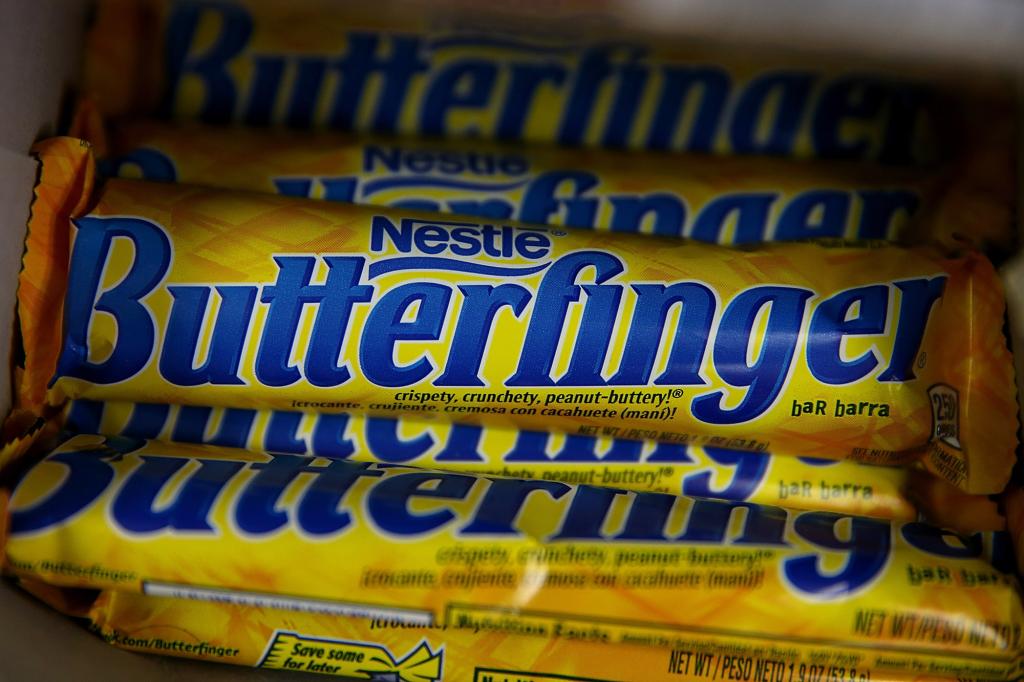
{"type": "Point", "coordinates": [749, 469]}
{"type": "Point", "coordinates": [650, 315]}
{"type": "Point", "coordinates": [632, 81]}
{"type": "Point", "coordinates": [463, 444]}
{"type": "Point", "coordinates": [88, 476]}
{"type": "Point", "coordinates": [557, 290]}
{"type": "Point", "coordinates": [667, 214]}
{"type": "Point", "coordinates": [790, 92]}
{"type": "Point", "coordinates": [210, 67]}
{"type": "Point", "coordinates": [480, 304]}
{"type": "Point", "coordinates": [329, 439]}
{"type": "Point", "coordinates": [765, 379]}
{"type": "Point", "coordinates": [318, 512]}
{"type": "Point", "coordinates": [356, 68]}
{"type": "Point", "coordinates": [879, 211]}
{"type": "Point", "coordinates": [385, 327]}
{"type": "Point", "coordinates": [136, 332]}
{"type": "Point", "coordinates": [309, 80]}
{"type": "Point", "coordinates": [751, 210]}
{"type": "Point", "coordinates": [540, 202]}
{"type": "Point", "coordinates": [388, 501]}
{"type": "Point", "coordinates": [498, 510]}
{"type": "Point", "coordinates": [918, 297]}
{"type": "Point", "coordinates": [524, 81]}
{"type": "Point", "coordinates": [593, 69]}
{"type": "Point", "coordinates": [709, 521]}
{"type": "Point", "coordinates": [832, 323]}
{"type": "Point", "coordinates": [384, 443]}
{"type": "Point", "coordinates": [678, 82]}
{"type": "Point", "coordinates": [147, 420]}
{"type": "Point", "coordinates": [867, 549]}
{"type": "Point", "coordinates": [465, 84]}
{"type": "Point", "coordinates": [795, 222]}
{"type": "Point", "coordinates": [148, 164]}
{"type": "Point", "coordinates": [941, 542]}
{"type": "Point", "coordinates": [282, 434]}
{"type": "Point", "coordinates": [287, 297]}
{"type": "Point", "coordinates": [587, 513]}
{"type": "Point", "coordinates": [647, 518]}
{"type": "Point", "coordinates": [190, 506]}
{"type": "Point", "coordinates": [185, 326]}
{"type": "Point", "coordinates": [84, 416]}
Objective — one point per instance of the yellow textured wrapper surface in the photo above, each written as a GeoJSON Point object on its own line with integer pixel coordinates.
{"type": "Point", "coordinates": [883, 355]}
{"type": "Point", "coordinates": [539, 559]}
{"type": "Point", "coordinates": [644, 466]}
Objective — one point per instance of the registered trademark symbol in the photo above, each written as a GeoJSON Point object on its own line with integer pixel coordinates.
{"type": "Point", "coordinates": [922, 359]}
{"type": "Point", "coordinates": [677, 393]}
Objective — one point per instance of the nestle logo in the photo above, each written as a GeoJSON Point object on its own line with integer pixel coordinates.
{"type": "Point", "coordinates": [458, 238]}
{"type": "Point", "coordinates": [446, 162]}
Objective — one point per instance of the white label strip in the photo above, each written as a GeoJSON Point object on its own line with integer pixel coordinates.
{"type": "Point", "coordinates": [276, 601]}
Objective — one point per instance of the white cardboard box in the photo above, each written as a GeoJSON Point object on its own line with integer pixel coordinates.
{"type": "Point", "coordinates": [40, 48]}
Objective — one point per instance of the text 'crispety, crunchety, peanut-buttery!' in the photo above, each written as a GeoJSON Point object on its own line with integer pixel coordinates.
{"type": "Point", "coordinates": [643, 466]}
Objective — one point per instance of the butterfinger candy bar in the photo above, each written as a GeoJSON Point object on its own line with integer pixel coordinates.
{"type": "Point", "coordinates": [373, 649]}
{"type": "Point", "coordinates": [323, 65]}
{"type": "Point", "coordinates": [205, 297]}
{"type": "Point", "coordinates": [532, 558]}
{"type": "Point", "coordinates": [644, 466]}
{"type": "Point", "coordinates": [724, 200]}
{"type": "Point", "coordinates": [383, 649]}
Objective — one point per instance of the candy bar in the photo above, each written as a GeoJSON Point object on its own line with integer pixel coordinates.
{"type": "Point", "coordinates": [325, 65]}
{"type": "Point", "coordinates": [643, 466]}
{"type": "Point", "coordinates": [711, 199]}
{"type": "Point", "coordinates": [204, 297]}
{"type": "Point", "coordinates": [533, 558]}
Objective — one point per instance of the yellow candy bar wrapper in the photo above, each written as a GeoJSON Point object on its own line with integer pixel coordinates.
{"type": "Point", "coordinates": [645, 466]}
{"type": "Point", "coordinates": [844, 487]}
{"type": "Point", "coordinates": [538, 558]}
{"type": "Point", "coordinates": [23, 433]}
{"type": "Point", "coordinates": [386, 650]}
{"type": "Point", "coordinates": [943, 504]}
{"type": "Point", "coordinates": [199, 296]}
{"type": "Point", "coordinates": [712, 199]}
{"type": "Point", "coordinates": [305, 64]}
{"type": "Point", "coordinates": [387, 69]}
{"type": "Point", "coordinates": [362, 649]}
